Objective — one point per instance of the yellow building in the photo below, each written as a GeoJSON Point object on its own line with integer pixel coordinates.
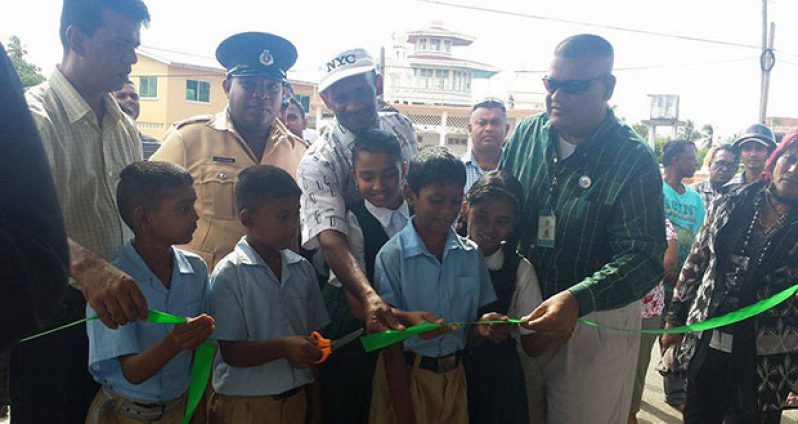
{"type": "Point", "coordinates": [174, 86]}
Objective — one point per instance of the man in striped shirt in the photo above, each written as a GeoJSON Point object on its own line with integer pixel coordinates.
{"type": "Point", "coordinates": [594, 228]}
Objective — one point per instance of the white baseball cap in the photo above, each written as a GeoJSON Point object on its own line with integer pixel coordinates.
{"type": "Point", "coordinates": [345, 64]}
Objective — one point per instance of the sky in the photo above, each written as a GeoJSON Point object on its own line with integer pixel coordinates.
{"type": "Point", "coordinates": [717, 84]}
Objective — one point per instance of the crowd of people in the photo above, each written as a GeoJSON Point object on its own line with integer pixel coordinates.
{"type": "Point", "coordinates": [262, 232]}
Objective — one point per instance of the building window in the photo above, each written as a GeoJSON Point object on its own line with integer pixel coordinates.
{"type": "Point", "coordinates": [148, 87]}
{"type": "Point", "coordinates": [422, 44]}
{"type": "Point", "coordinates": [441, 78]}
{"type": "Point", "coordinates": [456, 141]}
{"type": "Point", "coordinates": [198, 91]}
{"type": "Point", "coordinates": [447, 46]}
{"type": "Point", "coordinates": [435, 44]}
{"type": "Point", "coordinates": [424, 78]}
{"type": "Point", "coordinates": [304, 101]}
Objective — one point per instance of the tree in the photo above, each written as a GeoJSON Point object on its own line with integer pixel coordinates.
{"type": "Point", "coordinates": [641, 129]}
{"type": "Point", "coordinates": [29, 73]}
{"type": "Point", "coordinates": [688, 132]}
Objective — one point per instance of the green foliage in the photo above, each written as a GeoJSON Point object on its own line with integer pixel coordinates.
{"type": "Point", "coordinates": [29, 73]}
{"type": "Point", "coordinates": [659, 142]}
{"type": "Point", "coordinates": [641, 129]}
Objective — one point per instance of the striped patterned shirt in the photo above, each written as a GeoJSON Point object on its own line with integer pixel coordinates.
{"type": "Point", "coordinates": [85, 160]}
{"type": "Point", "coordinates": [607, 201]}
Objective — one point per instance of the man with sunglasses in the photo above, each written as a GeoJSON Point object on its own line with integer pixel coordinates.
{"type": "Point", "coordinates": [594, 228]}
{"type": "Point", "coordinates": [488, 129]}
{"type": "Point", "coordinates": [723, 162]}
{"type": "Point", "coordinates": [215, 149]}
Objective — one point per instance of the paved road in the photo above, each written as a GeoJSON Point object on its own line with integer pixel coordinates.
{"type": "Point", "coordinates": [655, 410]}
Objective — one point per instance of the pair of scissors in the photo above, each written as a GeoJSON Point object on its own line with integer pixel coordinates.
{"type": "Point", "coordinates": [327, 346]}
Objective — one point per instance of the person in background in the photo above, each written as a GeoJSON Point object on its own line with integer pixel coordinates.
{"type": "Point", "coordinates": [747, 251]}
{"type": "Point", "coordinates": [88, 141]}
{"type": "Point", "coordinates": [488, 129]}
{"type": "Point", "coordinates": [293, 116]}
{"type": "Point", "coordinates": [653, 305]}
{"type": "Point", "coordinates": [723, 162]}
{"type": "Point", "coordinates": [755, 145]}
{"type": "Point", "coordinates": [128, 100]}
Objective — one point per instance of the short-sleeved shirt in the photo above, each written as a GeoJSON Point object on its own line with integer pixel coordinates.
{"type": "Point", "coordinates": [326, 177]}
{"type": "Point", "coordinates": [187, 296]}
{"type": "Point", "coordinates": [410, 278]}
{"type": "Point", "coordinates": [654, 301]}
{"type": "Point", "coordinates": [85, 158]}
{"type": "Point", "coordinates": [250, 304]}
{"type": "Point", "coordinates": [211, 149]}
{"type": "Point", "coordinates": [686, 213]}
{"type": "Point", "coordinates": [526, 296]}
{"type": "Point", "coordinates": [392, 221]}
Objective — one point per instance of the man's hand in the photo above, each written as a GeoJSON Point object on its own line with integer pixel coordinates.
{"type": "Point", "coordinates": [668, 340]}
{"type": "Point", "coordinates": [301, 351]}
{"type": "Point", "coordinates": [112, 293]}
{"type": "Point", "coordinates": [496, 333]}
{"type": "Point", "coordinates": [555, 317]}
{"type": "Point", "coordinates": [379, 316]}
{"type": "Point", "coordinates": [412, 318]}
{"type": "Point", "coordinates": [191, 334]}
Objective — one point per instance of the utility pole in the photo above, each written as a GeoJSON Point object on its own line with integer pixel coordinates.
{"type": "Point", "coordinates": [766, 61]}
{"type": "Point", "coordinates": [381, 68]}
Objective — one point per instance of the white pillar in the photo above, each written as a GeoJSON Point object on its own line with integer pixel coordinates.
{"type": "Point", "coordinates": [443, 129]}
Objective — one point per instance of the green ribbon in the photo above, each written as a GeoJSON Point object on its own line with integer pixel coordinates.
{"type": "Point", "coordinates": [200, 367]}
{"type": "Point", "coordinates": [386, 338]}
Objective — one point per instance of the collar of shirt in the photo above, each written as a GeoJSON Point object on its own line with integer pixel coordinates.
{"type": "Point", "coordinates": [248, 256]}
{"type": "Point", "coordinates": [550, 137]}
{"type": "Point", "coordinates": [138, 268]}
{"type": "Point", "coordinates": [495, 261]}
{"type": "Point", "coordinates": [223, 122]}
{"type": "Point", "coordinates": [384, 215]}
{"type": "Point", "coordinates": [414, 246]}
{"type": "Point", "coordinates": [74, 104]}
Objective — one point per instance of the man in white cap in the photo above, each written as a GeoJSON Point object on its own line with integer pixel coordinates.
{"type": "Point", "coordinates": [349, 87]}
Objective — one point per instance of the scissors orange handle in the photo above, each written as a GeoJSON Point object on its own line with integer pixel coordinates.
{"type": "Point", "coordinates": [324, 345]}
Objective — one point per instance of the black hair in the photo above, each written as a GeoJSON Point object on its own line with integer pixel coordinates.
{"type": "Point", "coordinates": [377, 141]}
{"type": "Point", "coordinates": [585, 46]}
{"type": "Point", "coordinates": [673, 149]}
{"type": "Point", "coordinates": [729, 148]}
{"type": "Point", "coordinates": [435, 165]}
{"type": "Point", "coordinates": [259, 184]}
{"type": "Point", "coordinates": [490, 103]}
{"type": "Point", "coordinates": [292, 101]}
{"type": "Point", "coordinates": [497, 185]}
{"type": "Point", "coordinates": [145, 184]}
{"type": "Point", "coordinates": [87, 15]}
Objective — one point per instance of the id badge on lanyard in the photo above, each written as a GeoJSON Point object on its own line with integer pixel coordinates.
{"type": "Point", "coordinates": [547, 228]}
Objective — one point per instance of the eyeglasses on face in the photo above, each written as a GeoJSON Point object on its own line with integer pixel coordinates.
{"type": "Point", "coordinates": [571, 87]}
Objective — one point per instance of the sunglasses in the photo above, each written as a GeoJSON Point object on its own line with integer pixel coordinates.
{"type": "Point", "coordinates": [568, 86]}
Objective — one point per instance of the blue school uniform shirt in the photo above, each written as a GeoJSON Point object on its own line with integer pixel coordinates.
{"type": "Point", "coordinates": [187, 296]}
{"type": "Point", "coordinates": [410, 278]}
{"type": "Point", "coordinates": [251, 304]}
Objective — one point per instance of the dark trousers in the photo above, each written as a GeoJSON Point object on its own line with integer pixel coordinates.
{"type": "Point", "coordinates": [496, 388]}
{"type": "Point", "coordinates": [50, 381]}
{"type": "Point", "coordinates": [713, 395]}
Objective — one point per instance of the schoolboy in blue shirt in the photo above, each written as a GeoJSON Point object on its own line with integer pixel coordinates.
{"type": "Point", "coordinates": [266, 301]}
{"type": "Point", "coordinates": [144, 367]}
{"type": "Point", "coordinates": [428, 267]}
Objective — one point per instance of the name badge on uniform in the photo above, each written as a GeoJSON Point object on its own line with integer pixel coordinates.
{"type": "Point", "coordinates": [224, 159]}
{"type": "Point", "coordinates": [547, 227]}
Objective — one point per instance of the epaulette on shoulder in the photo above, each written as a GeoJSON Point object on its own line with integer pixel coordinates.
{"type": "Point", "coordinates": [192, 120]}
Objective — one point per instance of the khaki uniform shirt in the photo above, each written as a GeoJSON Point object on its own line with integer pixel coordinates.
{"type": "Point", "coordinates": [214, 153]}
{"type": "Point", "coordinates": [85, 159]}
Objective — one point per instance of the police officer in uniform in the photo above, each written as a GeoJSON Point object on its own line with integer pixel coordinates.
{"type": "Point", "coordinates": [215, 148]}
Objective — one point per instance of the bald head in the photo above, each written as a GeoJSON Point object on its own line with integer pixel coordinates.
{"type": "Point", "coordinates": [587, 47]}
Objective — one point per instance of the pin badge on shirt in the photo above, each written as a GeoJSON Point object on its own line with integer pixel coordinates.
{"type": "Point", "coordinates": [585, 181]}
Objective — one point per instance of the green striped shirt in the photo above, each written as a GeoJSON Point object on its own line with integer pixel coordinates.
{"type": "Point", "coordinates": [610, 228]}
